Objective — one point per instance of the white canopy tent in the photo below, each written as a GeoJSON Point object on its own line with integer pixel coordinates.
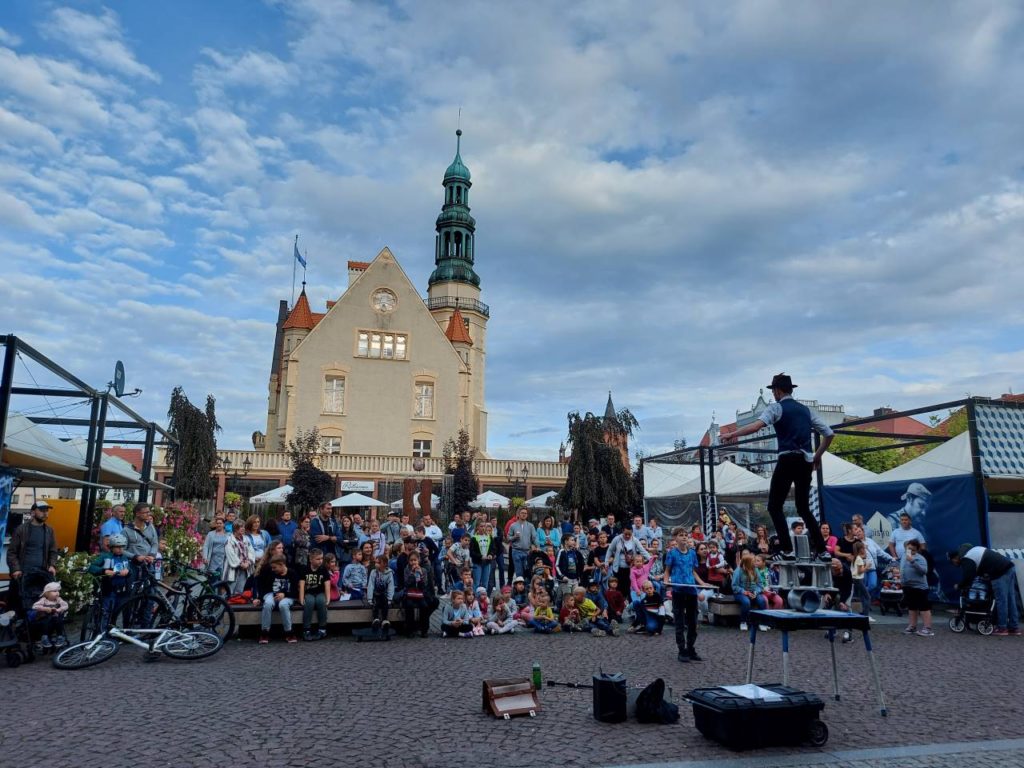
{"type": "Point", "coordinates": [543, 501]}
{"type": "Point", "coordinates": [489, 500]}
{"type": "Point", "coordinates": [662, 481]}
{"type": "Point", "coordinates": [273, 496]}
{"type": "Point", "coordinates": [952, 457]}
{"type": "Point", "coordinates": [356, 500]}
{"type": "Point", "coordinates": [836, 470]}
{"type": "Point", "coordinates": [435, 502]}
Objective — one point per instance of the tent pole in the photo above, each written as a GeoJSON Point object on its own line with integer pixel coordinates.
{"type": "Point", "coordinates": [820, 474]}
{"type": "Point", "coordinates": [703, 495]}
{"type": "Point", "coordinates": [981, 499]}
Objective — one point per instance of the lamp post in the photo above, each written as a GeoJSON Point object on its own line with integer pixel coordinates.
{"type": "Point", "coordinates": [225, 465]}
{"type": "Point", "coordinates": [512, 475]}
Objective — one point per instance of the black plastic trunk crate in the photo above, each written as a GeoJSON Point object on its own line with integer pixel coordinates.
{"type": "Point", "coordinates": [740, 723]}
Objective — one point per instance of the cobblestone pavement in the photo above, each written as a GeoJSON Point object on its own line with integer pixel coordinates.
{"type": "Point", "coordinates": [416, 703]}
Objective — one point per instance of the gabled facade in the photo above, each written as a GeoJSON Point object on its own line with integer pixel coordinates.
{"type": "Point", "coordinates": [382, 371]}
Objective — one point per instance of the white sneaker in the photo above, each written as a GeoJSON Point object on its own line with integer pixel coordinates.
{"type": "Point", "coordinates": [762, 628]}
{"type": "Point", "coordinates": [743, 626]}
{"type": "Point", "coordinates": [872, 620]}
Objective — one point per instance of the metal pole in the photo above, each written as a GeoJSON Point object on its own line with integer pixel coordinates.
{"type": "Point", "coordinates": [85, 521]}
{"type": "Point", "coordinates": [7, 382]}
{"type": "Point", "coordinates": [703, 494]}
{"type": "Point", "coordinates": [84, 532]}
{"type": "Point", "coordinates": [147, 462]}
{"type": "Point", "coordinates": [785, 657]}
{"type": "Point", "coordinates": [712, 502]}
{"type": "Point", "coordinates": [820, 475]}
{"type": "Point", "coordinates": [980, 497]}
{"type": "Point", "coordinates": [874, 673]}
{"type": "Point", "coordinates": [835, 667]}
{"type": "Point", "coordinates": [750, 653]}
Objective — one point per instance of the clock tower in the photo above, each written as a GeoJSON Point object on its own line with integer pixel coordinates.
{"type": "Point", "coordinates": [454, 286]}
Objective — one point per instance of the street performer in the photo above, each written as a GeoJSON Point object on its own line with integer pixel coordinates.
{"type": "Point", "coordinates": [793, 423]}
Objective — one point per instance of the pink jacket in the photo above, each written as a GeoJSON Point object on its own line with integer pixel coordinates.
{"type": "Point", "coordinates": [59, 604]}
{"type": "Point", "coordinates": [637, 576]}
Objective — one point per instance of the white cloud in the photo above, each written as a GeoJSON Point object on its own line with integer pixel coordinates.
{"type": "Point", "coordinates": [17, 130]}
{"type": "Point", "coordinates": [98, 39]}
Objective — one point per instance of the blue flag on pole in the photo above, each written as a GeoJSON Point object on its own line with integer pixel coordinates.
{"type": "Point", "coordinates": [298, 256]}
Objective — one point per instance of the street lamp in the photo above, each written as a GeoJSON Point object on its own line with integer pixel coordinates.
{"type": "Point", "coordinates": [225, 465]}
{"type": "Point", "coordinates": [511, 474]}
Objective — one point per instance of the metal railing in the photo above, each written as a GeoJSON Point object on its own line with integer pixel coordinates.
{"type": "Point", "coordinates": [455, 302]}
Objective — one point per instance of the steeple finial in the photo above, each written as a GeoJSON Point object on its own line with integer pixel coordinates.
{"type": "Point", "coordinates": [458, 141]}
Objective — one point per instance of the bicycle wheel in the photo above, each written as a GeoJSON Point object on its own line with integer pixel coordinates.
{"type": "Point", "coordinates": [213, 614]}
{"type": "Point", "coordinates": [88, 654]}
{"type": "Point", "coordinates": [144, 612]}
{"type": "Point", "coordinates": [192, 645]}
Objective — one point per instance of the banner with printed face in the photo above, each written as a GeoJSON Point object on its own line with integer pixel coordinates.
{"type": "Point", "coordinates": [7, 479]}
{"type": "Point", "coordinates": [943, 510]}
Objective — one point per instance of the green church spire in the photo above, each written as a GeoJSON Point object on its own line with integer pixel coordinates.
{"type": "Point", "coordinates": [456, 230]}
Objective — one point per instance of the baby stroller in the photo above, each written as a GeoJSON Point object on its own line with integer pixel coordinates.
{"type": "Point", "coordinates": [16, 642]}
{"type": "Point", "coordinates": [977, 609]}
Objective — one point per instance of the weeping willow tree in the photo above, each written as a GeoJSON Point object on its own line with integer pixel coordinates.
{"type": "Point", "coordinates": [194, 456]}
{"type": "Point", "coordinates": [598, 481]}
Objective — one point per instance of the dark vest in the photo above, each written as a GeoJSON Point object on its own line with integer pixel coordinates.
{"type": "Point", "coordinates": [793, 430]}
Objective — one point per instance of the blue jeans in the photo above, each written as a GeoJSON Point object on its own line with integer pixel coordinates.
{"type": "Point", "coordinates": [502, 568]}
{"type": "Point", "coordinates": [544, 626]}
{"type": "Point", "coordinates": [482, 575]}
{"type": "Point", "coordinates": [519, 558]}
{"type": "Point", "coordinates": [314, 604]}
{"type": "Point", "coordinates": [267, 616]}
{"type": "Point", "coordinates": [745, 603]}
{"type": "Point", "coordinates": [1005, 588]}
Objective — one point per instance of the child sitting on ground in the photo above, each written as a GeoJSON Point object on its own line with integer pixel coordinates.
{"type": "Point", "coordinates": [501, 620]}
{"type": "Point", "coordinates": [482, 601]}
{"type": "Point", "coordinates": [544, 617]}
{"type": "Point", "coordinates": [353, 580]}
{"type": "Point", "coordinates": [50, 610]}
{"type": "Point", "coordinates": [614, 598]}
{"type": "Point", "coordinates": [569, 615]}
{"type": "Point", "coordinates": [594, 618]}
{"type": "Point", "coordinates": [455, 618]}
{"type": "Point", "coordinates": [476, 616]}
{"type": "Point", "coordinates": [651, 610]}
{"type": "Point", "coordinates": [521, 599]}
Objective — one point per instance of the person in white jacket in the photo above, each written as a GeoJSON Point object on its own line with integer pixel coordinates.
{"type": "Point", "coordinates": [239, 559]}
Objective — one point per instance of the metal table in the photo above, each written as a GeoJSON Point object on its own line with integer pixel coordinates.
{"type": "Point", "coordinates": [828, 621]}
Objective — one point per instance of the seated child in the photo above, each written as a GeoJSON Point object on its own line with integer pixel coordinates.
{"type": "Point", "coordinates": [381, 589]}
{"type": "Point", "coordinates": [455, 617]}
{"type": "Point", "coordinates": [651, 610]}
{"type": "Point", "coordinates": [50, 610]}
{"type": "Point", "coordinates": [502, 621]}
{"type": "Point", "coordinates": [333, 576]}
{"type": "Point", "coordinates": [482, 600]}
{"type": "Point", "coordinates": [593, 617]}
{"type": "Point", "coordinates": [476, 616]}
{"type": "Point", "coordinates": [314, 594]}
{"type": "Point", "coordinates": [353, 580]}
{"type": "Point", "coordinates": [521, 605]}
{"type": "Point", "coordinates": [569, 615]}
{"type": "Point", "coordinates": [543, 620]}
{"type": "Point", "coordinates": [638, 574]}
{"type": "Point", "coordinates": [616, 602]}
{"type": "Point", "coordinates": [772, 597]}
{"type": "Point", "coordinates": [278, 588]}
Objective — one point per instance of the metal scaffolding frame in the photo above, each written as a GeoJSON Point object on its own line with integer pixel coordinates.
{"type": "Point", "coordinates": [100, 404]}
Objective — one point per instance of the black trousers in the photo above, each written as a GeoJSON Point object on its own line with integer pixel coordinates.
{"type": "Point", "coordinates": [793, 470]}
{"type": "Point", "coordinates": [424, 607]}
{"type": "Point", "coordinates": [684, 613]}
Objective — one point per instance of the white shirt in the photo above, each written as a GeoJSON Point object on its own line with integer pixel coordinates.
{"type": "Point", "coordinates": [773, 412]}
{"type": "Point", "coordinates": [434, 532]}
{"type": "Point", "coordinates": [900, 537]}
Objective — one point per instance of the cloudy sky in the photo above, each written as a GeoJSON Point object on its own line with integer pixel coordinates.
{"type": "Point", "coordinates": [674, 200]}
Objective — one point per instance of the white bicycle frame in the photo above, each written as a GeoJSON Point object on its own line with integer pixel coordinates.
{"type": "Point", "coordinates": [164, 636]}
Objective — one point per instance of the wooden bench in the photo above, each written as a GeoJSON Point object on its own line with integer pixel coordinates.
{"type": "Point", "coordinates": [350, 613]}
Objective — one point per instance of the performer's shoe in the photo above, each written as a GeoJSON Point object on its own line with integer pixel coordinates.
{"type": "Point", "coordinates": [825, 557]}
{"type": "Point", "coordinates": [780, 557]}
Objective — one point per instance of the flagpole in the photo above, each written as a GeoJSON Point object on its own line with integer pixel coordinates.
{"type": "Point", "coordinates": [304, 269]}
{"type": "Point", "coordinates": [296, 247]}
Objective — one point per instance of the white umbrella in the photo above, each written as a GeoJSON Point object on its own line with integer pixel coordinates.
{"type": "Point", "coordinates": [542, 501]}
{"type": "Point", "coordinates": [356, 500]}
{"type": "Point", "coordinates": [489, 500]}
{"type": "Point", "coordinates": [273, 496]}
{"type": "Point", "coordinates": [435, 502]}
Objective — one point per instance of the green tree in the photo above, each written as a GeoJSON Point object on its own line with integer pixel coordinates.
{"type": "Point", "coordinates": [311, 486]}
{"type": "Point", "coordinates": [875, 461]}
{"type": "Point", "coordinates": [598, 482]}
{"type": "Point", "coordinates": [458, 462]}
{"type": "Point", "coordinates": [194, 455]}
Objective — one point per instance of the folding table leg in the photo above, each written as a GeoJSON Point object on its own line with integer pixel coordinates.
{"type": "Point", "coordinates": [874, 673]}
{"type": "Point", "coordinates": [835, 667]}
{"type": "Point", "coordinates": [785, 657]}
{"type": "Point", "coordinates": [750, 653]}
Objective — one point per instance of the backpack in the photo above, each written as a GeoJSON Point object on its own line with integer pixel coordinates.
{"type": "Point", "coordinates": [651, 706]}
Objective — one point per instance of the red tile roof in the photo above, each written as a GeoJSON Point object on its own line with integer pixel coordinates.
{"type": "Point", "coordinates": [456, 331]}
{"type": "Point", "coordinates": [725, 429]}
{"type": "Point", "coordinates": [300, 316]}
{"type": "Point", "coordinates": [902, 425]}
{"type": "Point", "coordinates": [358, 264]}
{"type": "Point", "coordinates": [132, 455]}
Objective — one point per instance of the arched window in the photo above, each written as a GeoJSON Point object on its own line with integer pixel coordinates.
{"type": "Point", "coordinates": [458, 245]}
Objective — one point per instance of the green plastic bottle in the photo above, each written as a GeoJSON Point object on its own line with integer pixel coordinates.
{"type": "Point", "coordinates": [537, 679]}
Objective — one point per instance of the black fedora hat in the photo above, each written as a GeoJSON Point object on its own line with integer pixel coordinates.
{"type": "Point", "coordinates": [782, 381]}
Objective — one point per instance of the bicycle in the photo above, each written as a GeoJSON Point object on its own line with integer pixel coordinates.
{"type": "Point", "coordinates": [153, 605]}
{"type": "Point", "coordinates": [190, 645]}
{"type": "Point", "coordinates": [99, 614]}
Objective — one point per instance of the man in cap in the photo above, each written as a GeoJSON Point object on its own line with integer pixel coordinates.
{"type": "Point", "coordinates": [793, 423]}
{"type": "Point", "coordinates": [989, 564]}
{"type": "Point", "coordinates": [901, 535]}
{"type": "Point", "coordinates": [33, 544]}
{"type": "Point", "coordinates": [915, 505]}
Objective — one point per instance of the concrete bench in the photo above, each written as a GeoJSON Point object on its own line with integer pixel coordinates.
{"type": "Point", "coordinates": [724, 610]}
{"type": "Point", "coordinates": [347, 613]}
